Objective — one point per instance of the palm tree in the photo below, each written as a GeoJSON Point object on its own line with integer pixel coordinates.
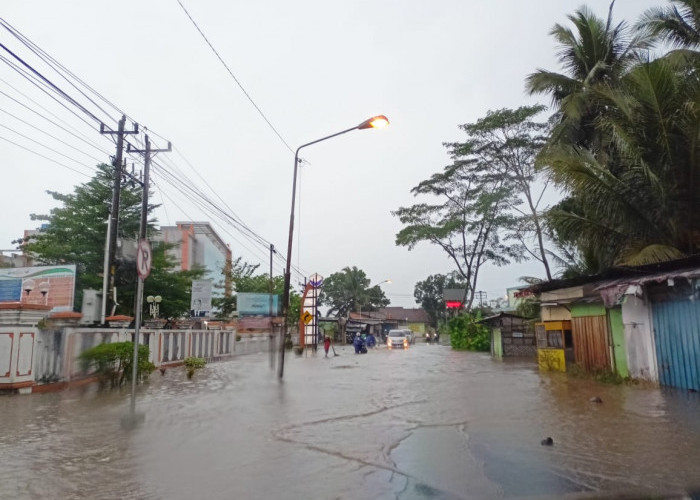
{"type": "Point", "coordinates": [594, 53]}
{"type": "Point", "coordinates": [642, 210]}
{"type": "Point", "coordinates": [677, 25]}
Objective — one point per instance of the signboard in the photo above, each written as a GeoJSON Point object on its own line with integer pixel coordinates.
{"type": "Point", "coordinates": [144, 259]}
{"type": "Point", "coordinates": [256, 304]}
{"type": "Point", "coordinates": [307, 317]}
{"type": "Point", "coordinates": [316, 280]}
{"type": "Point", "coordinates": [200, 304]}
{"type": "Point", "coordinates": [43, 285]}
{"type": "Point", "coordinates": [453, 297]}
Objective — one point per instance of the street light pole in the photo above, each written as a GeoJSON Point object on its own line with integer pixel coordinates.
{"type": "Point", "coordinates": [374, 122]}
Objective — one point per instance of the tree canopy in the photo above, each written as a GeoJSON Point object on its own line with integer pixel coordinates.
{"type": "Point", "coordinates": [630, 179]}
{"type": "Point", "coordinates": [75, 233]}
{"type": "Point", "coordinates": [429, 293]}
{"type": "Point", "coordinates": [349, 290]}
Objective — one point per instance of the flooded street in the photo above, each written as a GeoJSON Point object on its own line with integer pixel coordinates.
{"type": "Point", "coordinates": [427, 423]}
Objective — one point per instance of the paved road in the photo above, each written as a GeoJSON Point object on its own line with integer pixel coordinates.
{"type": "Point", "coordinates": [426, 423]}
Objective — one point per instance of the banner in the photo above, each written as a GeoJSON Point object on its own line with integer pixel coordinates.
{"type": "Point", "coordinates": [200, 304]}
{"type": "Point", "coordinates": [53, 286]}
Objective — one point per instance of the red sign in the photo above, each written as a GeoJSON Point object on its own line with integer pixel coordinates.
{"type": "Point", "coordinates": [453, 304]}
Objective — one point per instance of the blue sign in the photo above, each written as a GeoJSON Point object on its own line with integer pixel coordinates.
{"type": "Point", "coordinates": [256, 304]}
{"type": "Point", "coordinates": [10, 290]}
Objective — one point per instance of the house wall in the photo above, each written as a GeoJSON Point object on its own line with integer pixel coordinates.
{"type": "Point", "coordinates": [555, 313]}
{"type": "Point", "coordinates": [639, 340]}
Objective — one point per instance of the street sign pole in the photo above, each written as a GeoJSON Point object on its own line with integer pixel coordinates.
{"type": "Point", "coordinates": [144, 259]}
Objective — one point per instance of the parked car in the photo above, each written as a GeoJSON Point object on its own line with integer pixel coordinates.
{"type": "Point", "coordinates": [397, 339]}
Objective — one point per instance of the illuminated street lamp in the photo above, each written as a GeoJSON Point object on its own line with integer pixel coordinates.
{"type": "Point", "coordinates": [374, 122]}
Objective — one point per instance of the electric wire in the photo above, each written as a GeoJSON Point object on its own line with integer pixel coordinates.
{"type": "Point", "coordinates": [240, 243]}
{"type": "Point", "coordinates": [46, 157]}
{"type": "Point", "coordinates": [44, 146]}
{"type": "Point", "coordinates": [48, 59]}
{"type": "Point", "coordinates": [56, 89]}
{"type": "Point", "coordinates": [208, 206]}
{"type": "Point", "coordinates": [50, 135]}
{"type": "Point", "coordinates": [31, 78]}
{"type": "Point", "coordinates": [235, 79]}
{"type": "Point", "coordinates": [195, 195]}
{"type": "Point", "coordinates": [65, 127]}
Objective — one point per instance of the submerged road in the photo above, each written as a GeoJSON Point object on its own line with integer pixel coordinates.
{"type": "Point", "coordinates": [426, 423]}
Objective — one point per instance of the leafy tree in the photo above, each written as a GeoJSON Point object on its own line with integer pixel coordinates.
{"type": "Point", "coordinates": [349, 290]}
{"type": "Point", "coordinates": [75, 234]}
{"type": "Point", "coordinates": [429, 293]}
{"type": "Point", "coordinates": [509, 142]}
{"type": "Point", "coordinates": [473, 209]}
{"type": "Point", "coordinates": [466, 333]}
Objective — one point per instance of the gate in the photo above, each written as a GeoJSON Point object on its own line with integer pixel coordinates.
{"type": "Point", "coordinates": [677, 338]}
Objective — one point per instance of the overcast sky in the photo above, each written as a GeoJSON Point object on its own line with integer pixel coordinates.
{"type": "Point", "coordinates": [313, 67]}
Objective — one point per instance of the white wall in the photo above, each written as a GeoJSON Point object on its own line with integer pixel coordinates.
{"type": "Point", "coordinates": [639, 339]}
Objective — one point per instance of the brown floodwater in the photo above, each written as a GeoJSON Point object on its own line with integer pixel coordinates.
{"type": "Point", "coordinates": [426, 423]}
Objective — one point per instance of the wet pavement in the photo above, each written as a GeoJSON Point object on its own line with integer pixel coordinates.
{"type": "Point", "coordinates": [426, 423]}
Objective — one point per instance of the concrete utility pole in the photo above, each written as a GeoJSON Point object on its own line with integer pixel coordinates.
{"type": "Point", "coordinates": [271, 287]}
{"type": "Point", "coordinates": [142, 236]}
{"type": "Point", "coordinates": [113, 224]}
{"type": "Point", "coordinates": [482, 297]}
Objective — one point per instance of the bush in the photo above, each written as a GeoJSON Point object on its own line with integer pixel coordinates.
{"type": "Point", "coordinates": [192, 364]}
{"type": "Point", "coordinates": [195, 363]}
{"type": "Point", "coordinates": [112, 363]}
{"type": "Point", "coordinates": [467, 334]}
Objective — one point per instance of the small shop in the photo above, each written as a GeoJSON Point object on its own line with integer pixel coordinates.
{"type": "Point", "coordinates": [554, 345]}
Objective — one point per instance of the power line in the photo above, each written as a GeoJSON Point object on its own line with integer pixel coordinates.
{"type": "Point", "coordinates": [50, 135]}
{"type": "Point", "coordinates": [235, 79]}
{"type": "Point", "coordinates": [66, 127]}
{"type": "Point", "coordinates": [49, 83]}
{"type": "Point", "coordinates": [44, 156]}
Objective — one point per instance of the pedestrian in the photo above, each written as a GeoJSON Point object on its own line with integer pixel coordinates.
{"type": "Point", "coordinates": [326, 344]}
{"type": "Point", "coordinates": [358, 343]}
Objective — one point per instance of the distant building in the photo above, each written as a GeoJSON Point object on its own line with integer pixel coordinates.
{"type": "Point", "coordinates": [196, 245]}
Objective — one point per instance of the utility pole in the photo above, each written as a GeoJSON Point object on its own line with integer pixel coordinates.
{"type": "Point", "coordinates": [482, 296]}
{"type": "Point", "coordinates": [271, 287]}
{"type": "Point", "coordinates": [142, 236]}
{"type": "Point", "coordinates": [113, 224]}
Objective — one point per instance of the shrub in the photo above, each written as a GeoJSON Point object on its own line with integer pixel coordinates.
{"type": "Point", "coordinates": [467, 334]}
{"type": "Point", "coordinates": [195, 363]}
{"type": "Point", "coordinates": [112, 363]}
{"type": "Point", "coordinates": [192, 364]}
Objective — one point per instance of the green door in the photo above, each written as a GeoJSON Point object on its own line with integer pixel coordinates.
{"type": "Point", "coordinates": [497, 347]}
{"type": "Point", "coordinates": [618, 337]}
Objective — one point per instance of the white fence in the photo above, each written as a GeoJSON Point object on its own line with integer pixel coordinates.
{"type": "Point", "coordinates": [56, 351]}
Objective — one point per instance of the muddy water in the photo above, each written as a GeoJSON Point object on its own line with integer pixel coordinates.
{"type": "Point", "coordinates": [416, 424]}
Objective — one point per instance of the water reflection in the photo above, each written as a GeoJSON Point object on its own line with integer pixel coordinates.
{"type": "Point", "coordinates": [423, 423]}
